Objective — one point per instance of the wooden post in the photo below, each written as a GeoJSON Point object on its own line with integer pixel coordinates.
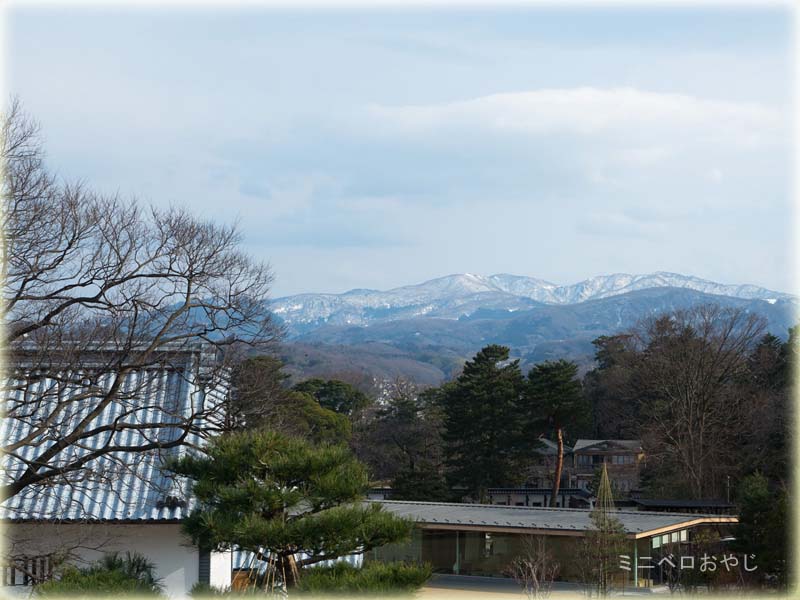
{"type": "Point", "coordinates": [458, 554]}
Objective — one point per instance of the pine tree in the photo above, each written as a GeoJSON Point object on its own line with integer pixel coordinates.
{"type": "Point", "coordinates": [289, 503]}
{"type": "Point", "coordinates": [554, 400]}
{"type": "Point", "coordinates": [335, 395]}
{"type": "Point", "coordinates": [482, 425]}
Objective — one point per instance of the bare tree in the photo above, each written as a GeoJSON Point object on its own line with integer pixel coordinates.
{"type": "Point", "coordinates": [690, 406]}
{"type": "Point", "coordinates": [400, 432]}
{"type": "Point", "coordinates": [96, 293]}
{"type": "Point", "coordinates": [534, 569]}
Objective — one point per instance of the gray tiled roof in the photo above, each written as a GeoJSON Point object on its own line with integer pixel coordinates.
{"type": "Point", "coordinates": [606, 445]}
{"type": "Point", "coordinates": [129, 487]}
{"type": "Point", "coordinates": [550, 448]}
{"type": "Point", "coordinates": [523, 517]}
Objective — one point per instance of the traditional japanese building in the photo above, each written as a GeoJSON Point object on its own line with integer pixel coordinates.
{"type": "Point", "coordinates": [623, 460]}
{"type": "Point", "coordinates": [125, 503]}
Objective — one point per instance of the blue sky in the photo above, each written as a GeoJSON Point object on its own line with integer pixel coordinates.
{"type": "Point", "coordinates": [379, 148]}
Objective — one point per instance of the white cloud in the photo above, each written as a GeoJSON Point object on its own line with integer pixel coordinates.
{"type": "Point", "coordinates": [588, 111]}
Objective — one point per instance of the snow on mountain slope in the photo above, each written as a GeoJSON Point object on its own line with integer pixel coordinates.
{"type": "Point", "coordinates": [454, 296]}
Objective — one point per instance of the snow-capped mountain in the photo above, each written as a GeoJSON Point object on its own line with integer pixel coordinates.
{"type": "Point", "coordinates": [456, 296]}
{"type": "Point", "coordinates": [604, 286]}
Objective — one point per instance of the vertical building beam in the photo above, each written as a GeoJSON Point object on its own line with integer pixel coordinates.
{"type": "Point", "coordinates": [458, 554]}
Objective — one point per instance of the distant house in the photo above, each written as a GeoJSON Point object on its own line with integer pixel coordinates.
{"type": "Point", "coordinates": [543, 464]}
{"type": "Point", "coordinates": [623, 460]}
{"type": "Point", "coordinates": [124, 504]}
{"type": "Point", "coordinates": [380, 493]}
{"type": "Point", "coordinates": [531, 496]}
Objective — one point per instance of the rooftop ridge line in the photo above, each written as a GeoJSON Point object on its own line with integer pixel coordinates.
{"type": "Point", "coordinates": [541, 508]}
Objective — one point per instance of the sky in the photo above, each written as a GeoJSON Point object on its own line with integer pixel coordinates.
{"type": "Point", "coordinates": [372, 149]}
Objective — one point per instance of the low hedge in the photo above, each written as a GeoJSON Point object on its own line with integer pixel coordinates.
{"type": "Point", "coordinates": [373, 579]}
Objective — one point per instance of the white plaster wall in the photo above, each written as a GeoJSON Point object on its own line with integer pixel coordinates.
{"type": "Point", "coordinates": [165, 545]}
{"type": "Point", "coordinates": [221, 569]}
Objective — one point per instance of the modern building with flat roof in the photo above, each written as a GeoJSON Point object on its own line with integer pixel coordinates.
{"type": "Point", "coordinates": [483, 539]}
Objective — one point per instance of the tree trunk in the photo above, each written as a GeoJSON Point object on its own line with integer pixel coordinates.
{"type": "Point", "coordinates": [559, 467]}
{"type": "Point", "coordinates": [288, 571]}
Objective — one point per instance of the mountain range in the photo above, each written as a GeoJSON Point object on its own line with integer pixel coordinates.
{"type": "Point", "coordinates": [427, 330]}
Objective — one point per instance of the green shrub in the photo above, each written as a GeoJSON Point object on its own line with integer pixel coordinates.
{"type": "Point", "coordinates": [374, 578]}
{"type": "Point", "coordinates": [113, 574]}
{"type": "Point", "coordinates": [204, 590]}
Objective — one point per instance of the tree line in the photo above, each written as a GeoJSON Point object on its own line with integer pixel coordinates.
{"type": "Point", "coordinates": [706, 390]}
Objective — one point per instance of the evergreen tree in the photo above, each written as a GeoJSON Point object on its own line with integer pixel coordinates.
{"type": "Point", "coordinates": [766, 440]}
{"type": "Point", "coordinates": [554, 399]}
{"type": "Point", "coordinates": [335, 395]}
{"type": "Point", "coordinates": [421, 482]}
{"type": "Point", "coordinates": [608, 390]}
{"type": "Point", "coordinates": [289, 503]}
{"type": "Point", "coordinates": [764, 527]}
{"type": "Point", "coordinates": [260, 399]}
{"type": "Point", "coordinates": [482, 427]}
{"type": "Point", "coordinates": [303, 417]}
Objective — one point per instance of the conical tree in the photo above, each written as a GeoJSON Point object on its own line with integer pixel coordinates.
{"type": "Point", "coordinates": [605, 541]}
{"type": "Point", "coordinates": [604, 505]}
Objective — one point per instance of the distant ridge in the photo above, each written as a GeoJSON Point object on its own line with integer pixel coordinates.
{"type": "Point", "coordinates": [460, 295]}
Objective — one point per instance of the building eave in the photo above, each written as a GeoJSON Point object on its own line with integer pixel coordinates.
{"type": "Point", "coordinates": [685, 524]}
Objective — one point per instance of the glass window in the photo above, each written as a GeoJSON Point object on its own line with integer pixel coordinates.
{"type": "Point", "coordinates": [675, 537]}
{"type": "Point", "coordinates": [27, 570]}
{"type": "Point", "coordinates": [685, 535]}
{"type": "Point", "coordinates": [656, 542]}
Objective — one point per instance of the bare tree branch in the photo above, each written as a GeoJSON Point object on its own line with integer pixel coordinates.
{"type": "Point", "coordinates": [100, 296]}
